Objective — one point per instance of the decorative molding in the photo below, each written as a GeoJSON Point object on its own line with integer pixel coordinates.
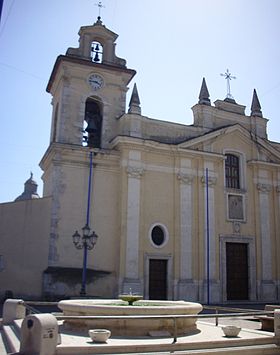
{"type": "Point", "coordinates": [236, 226]}
{"type": "Point", "coordinates": [235, 207]}
{"type": "Point", "coordinates": [266, 188]}
{"type": "Point", "coordinates": [211, 180]}
{"type": "Point", "coordinates": [185, 178]}
{"type": "Point", "coordinates": [134, 172]}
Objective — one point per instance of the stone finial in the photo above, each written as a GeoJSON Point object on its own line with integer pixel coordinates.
{"type": "Point", "coordinates": [256, 107]}
{"type": "Point", "coordinates": [204, 94]}
{"type": "Point", "coordinates": [98, 22]}
{"type": "Point", "coordinates": [30, 190]}
{"type": "Point", "coordinates": [134, 103]}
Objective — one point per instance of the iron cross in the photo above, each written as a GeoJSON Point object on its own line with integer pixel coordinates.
{"type": "Point", "coordinates": [228, 77]}
{"type": "Point", "coordinates": [99, 7]}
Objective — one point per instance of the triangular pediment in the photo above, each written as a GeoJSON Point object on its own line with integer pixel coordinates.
{"type": "Point", "coordinates": [236, 138]}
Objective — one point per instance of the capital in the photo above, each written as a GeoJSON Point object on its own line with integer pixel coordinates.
{"type": "Point", "coordinates": [185, 178]}
{"type": "Point", "coordinates": [134, 172]}
{"type": "Point", "coordinates": [266, 188]}
{"type": "Point", "coordinates": [211, 180]}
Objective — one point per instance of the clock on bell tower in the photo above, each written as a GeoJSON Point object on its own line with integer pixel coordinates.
{"type": "Point", "coordinates": [89, 86]}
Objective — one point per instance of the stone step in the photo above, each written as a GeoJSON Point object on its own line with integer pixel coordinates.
{"type": "Point", "coordinates": [270, 349]}
{"type": "Point", "coordinates": [11, 337]}
{"type": "Point", "coordinates": [3, 347]}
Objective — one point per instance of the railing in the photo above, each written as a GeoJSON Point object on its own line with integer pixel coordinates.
{"type": "Point", "coordinates": [174, 317]}
{"type": "Point", "coordinates": [237, 313]}
{"type": "Point", "coordinates": [32, 310]}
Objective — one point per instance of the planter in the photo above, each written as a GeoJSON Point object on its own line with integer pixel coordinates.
{"type": "Point", "coordinates": [99, 335]}
{"type": "Point", "coordinates": [231, 331]}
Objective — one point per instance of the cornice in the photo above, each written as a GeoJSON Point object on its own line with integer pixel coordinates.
{"type": "Point", "coordinates": [84, 62]}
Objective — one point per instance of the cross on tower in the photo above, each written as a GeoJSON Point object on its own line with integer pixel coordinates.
{"type": "Point", "coordinates": [228, 77]}
{"type": "Point", "coordinates": [99, 4]}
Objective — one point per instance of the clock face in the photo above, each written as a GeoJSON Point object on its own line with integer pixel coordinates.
{"type": "Point", "coordinates": [95, 81]}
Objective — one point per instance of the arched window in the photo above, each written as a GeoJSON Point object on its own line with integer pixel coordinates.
{"type": "Point", "coordinates": [232, 171]}
{"type": "Point", "coordinates": [96, 52]}
{"type": "Point", "coordinates": [93, 119]}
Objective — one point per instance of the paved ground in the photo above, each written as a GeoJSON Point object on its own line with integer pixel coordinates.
{"type": "Point", "coordinates": [207, 336]}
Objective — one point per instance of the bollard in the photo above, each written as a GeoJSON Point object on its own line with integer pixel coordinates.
{"type": "Point", "coordinates": [39, 335]}
{"type": "Point", "coordinates": [277, 324]}
{"type": "Point", "coordinates": [13, 309]}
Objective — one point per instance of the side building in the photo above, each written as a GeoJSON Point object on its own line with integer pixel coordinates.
{"type": "Point", "coordinates": [181, 211]}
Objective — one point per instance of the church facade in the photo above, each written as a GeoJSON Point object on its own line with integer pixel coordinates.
{"type": "Point", "coordinates": [181, 211]}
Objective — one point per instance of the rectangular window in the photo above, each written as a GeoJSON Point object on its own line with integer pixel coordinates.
{"type": "Point", "coordinates": [232, 171]}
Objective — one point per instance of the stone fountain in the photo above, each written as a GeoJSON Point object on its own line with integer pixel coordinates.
{"type": "Point", "coordinates": [130, 326]}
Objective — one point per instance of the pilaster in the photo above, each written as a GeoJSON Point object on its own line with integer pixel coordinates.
{"type": "Point", "coordinates": [131, 281]}
{"type": "Point", "coordinates": [187, 289]}
{"type": "Point", "coordinates": [210, 235]}
{"type": "Point", "coordinates": [267, 289]}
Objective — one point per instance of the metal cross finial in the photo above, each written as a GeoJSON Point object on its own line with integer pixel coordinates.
{"type": "Point", "coordinates": [99, 7]}
{"type": "Point", "coordinates": [228, 77]}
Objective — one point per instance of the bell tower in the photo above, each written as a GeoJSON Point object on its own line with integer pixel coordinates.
{"type": "Point", "coordinates": [89, 86]}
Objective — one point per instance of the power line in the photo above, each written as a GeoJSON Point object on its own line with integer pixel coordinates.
{"type": "Point", "coordinates": [22, 71]}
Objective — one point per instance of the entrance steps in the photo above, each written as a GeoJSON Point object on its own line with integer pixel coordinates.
{"type": "Point", "coordinates": [270, 349]}
{"type": "Point", "coordinates": [10, 338]}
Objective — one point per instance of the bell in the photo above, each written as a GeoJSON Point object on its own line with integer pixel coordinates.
{"type": "Point", "coordinates": [91, 127]}
{"type": "Point", "coordinates": [96, 58]}
{"type": "Point", "coordinates": [97, 48]}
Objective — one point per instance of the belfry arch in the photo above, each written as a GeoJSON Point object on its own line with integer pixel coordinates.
{"type": "Point", "coordinates": [97, 51]}
{"type": "Point", "coordinates": [93, 121]}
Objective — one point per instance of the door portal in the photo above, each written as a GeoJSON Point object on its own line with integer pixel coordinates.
{"type": "Point", "coordinates": [237, 271]}
{"type": "Point", "coordinates": [157, 279]}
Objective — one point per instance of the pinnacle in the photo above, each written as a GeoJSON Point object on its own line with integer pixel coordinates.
{"type": "Point", "coordinates": [256, 107]}
{"type": "Point", "coordinates": [134, 103]}
{"type": "Point", "coordinates": [204, 98]}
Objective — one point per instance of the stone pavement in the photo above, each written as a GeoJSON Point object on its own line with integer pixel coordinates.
{"type": "Point", "coordinates": [207, 336]}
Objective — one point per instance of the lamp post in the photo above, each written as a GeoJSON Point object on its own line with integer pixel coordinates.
{"type": "Point", "coordinates": [86, 242]}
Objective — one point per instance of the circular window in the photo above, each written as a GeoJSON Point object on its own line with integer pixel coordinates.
{"type": "Point", "coordinates": [158, 236]}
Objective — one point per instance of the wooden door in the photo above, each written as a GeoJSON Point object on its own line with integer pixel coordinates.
{"type": "Point", "coordinates": [158, 279]}
{"type": "Point", "coordinates": [237, 271]}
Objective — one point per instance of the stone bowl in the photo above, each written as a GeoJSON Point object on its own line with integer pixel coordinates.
{"type": "Point", "coordinates": [231, 331]}
{"type": "Point", "coordinates": [99, 335]}
{"type": "Point", "coordinates": [130, 298]}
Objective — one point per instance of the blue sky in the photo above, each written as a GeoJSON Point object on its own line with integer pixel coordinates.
{"type": "Point", "coordinates": [171, 44]}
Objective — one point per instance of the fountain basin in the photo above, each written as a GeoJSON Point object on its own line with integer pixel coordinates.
{"type": "Point", "coordinates": [131, 326]}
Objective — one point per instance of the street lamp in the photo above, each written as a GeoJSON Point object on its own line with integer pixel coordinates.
{"type": "Point", "coordinates": [87, 242]}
